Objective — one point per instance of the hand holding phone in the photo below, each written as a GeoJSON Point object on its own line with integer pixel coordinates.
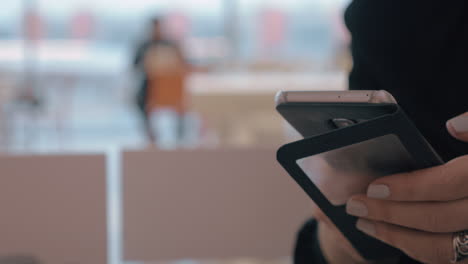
{"type": "Point", "coordinates": [351, 139]}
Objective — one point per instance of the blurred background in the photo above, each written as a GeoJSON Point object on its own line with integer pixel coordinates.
{"type": "Point", "coordinates": [71, 80]}
{"type": "Point", "coordinates": [67, 81]}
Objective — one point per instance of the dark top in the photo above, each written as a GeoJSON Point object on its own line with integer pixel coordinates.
{"type": "Point", "coordinates": [416, 50]}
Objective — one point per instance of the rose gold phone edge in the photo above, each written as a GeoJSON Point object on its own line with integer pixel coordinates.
{"type": "Point", "coordinates": [364, 96]}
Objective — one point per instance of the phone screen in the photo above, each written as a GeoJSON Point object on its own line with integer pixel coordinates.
{"type": "Point", "coordinates": [344, 172]}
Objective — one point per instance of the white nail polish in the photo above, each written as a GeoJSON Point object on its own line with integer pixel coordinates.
{"type": "Point", "coordinates": [356, 208]}
{"type": "Point", "coordinates": [366, 226]}
{"type": "Point", "coordinates": [460, 124]}
{"type": "Point", "coordinates": [378, 191]}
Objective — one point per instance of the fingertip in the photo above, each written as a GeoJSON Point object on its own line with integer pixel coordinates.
{"type": "Point", "coordinates": [458, 127]}
{"type": "Point", "coordinates": [378, 191]}
{"type": "Point", "coordinates": [450, 129]}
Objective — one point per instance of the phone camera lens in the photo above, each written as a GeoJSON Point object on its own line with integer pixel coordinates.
{"type": "Point", "coordinates": [342, 122]}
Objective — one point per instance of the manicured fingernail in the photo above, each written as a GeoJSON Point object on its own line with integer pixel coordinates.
{"type": "Point", "coordinates": [378, 191]}
{"type": "Point", "coordinates": [366, 226]}
{"type": "Point", "coordinates": [356, 208]}
{"type": "Point", "coordinates": [460, 124]}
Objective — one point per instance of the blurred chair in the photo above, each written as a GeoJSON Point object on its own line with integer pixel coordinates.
{"type": "Point", "coordinates": [209, 204]}
{"type": "Point", "coordinates": [54, 207]}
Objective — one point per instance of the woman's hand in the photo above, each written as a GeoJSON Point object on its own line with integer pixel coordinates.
{"type": "Point", "coordinates": [419, 211]}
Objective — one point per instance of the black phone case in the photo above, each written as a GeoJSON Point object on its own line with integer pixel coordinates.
{"type": "Point", "coordinates": [309, 119]}
{"type": "Point", "coordinates": [396, 123]}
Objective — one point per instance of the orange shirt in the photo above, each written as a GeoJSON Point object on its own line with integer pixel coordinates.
{"type": "Point", "coordinates": [166, 78]}
{"type": "Point", "coordinates": [167, 91]}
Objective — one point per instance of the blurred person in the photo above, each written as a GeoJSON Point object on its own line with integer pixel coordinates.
{"type": "Point", "coordinates": [161, 97]}
{"type": "Point", "coordinates": [418, 51]}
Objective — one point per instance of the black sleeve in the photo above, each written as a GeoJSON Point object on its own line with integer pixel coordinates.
{"type": "Point", "coordinates": [307, 250]}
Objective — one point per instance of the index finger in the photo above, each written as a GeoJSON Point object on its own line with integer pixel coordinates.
{"type": "Point", "coordinates": [441, 183]}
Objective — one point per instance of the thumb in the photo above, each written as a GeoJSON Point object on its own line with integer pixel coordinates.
{"type": "Point", "coordinates": [458, 127]}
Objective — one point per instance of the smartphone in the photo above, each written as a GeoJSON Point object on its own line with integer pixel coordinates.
{"type": "Point", "coordinates": [315, 112]}
{"type": "Point", "coordinates": [352, 138]}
